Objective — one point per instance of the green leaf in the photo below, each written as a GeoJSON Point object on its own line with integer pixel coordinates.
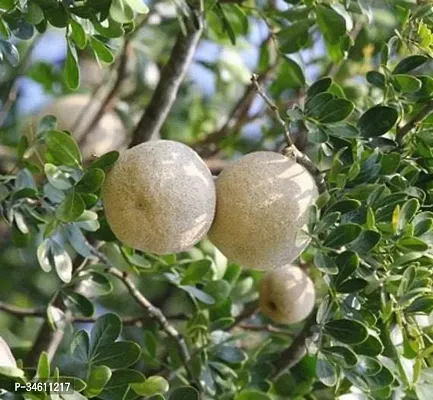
{"type": "Point", "coordinates": [365, 242]}
{"type": "Point", "coordinates": [78, 302]}
{"type": "Point", "coordinates": [422, 305]}
{"type": "Point", "coordinates": [118, 387]}
{"type": "Point", "coordinates": [232, 355]}
{"type": "Point", "coordinates": [390, 163]}
{"type": "Point", "coordinates": [71, 71]}
{"type": "Point", "coordinates": [78, 35]}
{"type": "Point", "coordinates": [331, 24]}
{"type": "Point", "coordinates": [121, 11]}
{"type": "Point", "coordinates": [11, 372]}
{"type": "Point", "coordinates": [70, 208]}
{"type": "Point", "coordinates": [293, 38]}
{"type": "Point", "coordinates": [43, 368]}
{"type": "Point", "coordinates": [342, 235]}
{"type": "Point", "coordinates": [43, 255]}
{"type": "Point", "coordinates": [371, 347]}
{"type": "Point", "coordinates": [57, 177]}
{"type": "Point", "coordinates": [62, 261]}
{"type": "Point", "coordinates": [322, 85]}
{"type": "Point", "coordinates": [138, 6]}
{"type": "Point", "coordinates": [343, 129]}
{"type": "Point", "coordinates": [91, 181]}
{"type": "Point", "coordinates": [409, 63]}
{"type": "Point", "coordinates": [198, 294]}
{"type": "Point", "coordinates": [341, 355]}
{"type": "Point", "coordinates": [377, 120]}
{"type": "Point", "coordinates": [352, 285]}
{"type": "Point", "coordinates": [63, 148]}
{"type": "Point", "coordinates": [407, 212]}
{"type": "Point", "coordinates": [252, 394]}
{"type": "Point", "coordinates": [424, 391]}
{"type": "Point", "coordinates": [325, 263]}
{"type": "Point", "coordinates": [344, 206]}
{"type": "Point", "coordinates": [106, 161]}
{"type": "Point", "coordinates": [98, 378]}
{"type": "Point", "coordinates": [314, 106]}
{"type": "Point", "coordinates": [368, 366]}
{"type": "Point", "coordinates": [347, 331]}
{"type": "Point", "coordinates": [336, 110]}
{"type": "Point", "coordinates": [219, 290]}
{"type": "Point", "coordinates": [153, 385]}
{"type": "Point", "coordinates": [292, 74]}
{"type": "Point", "coordinates": [376, 79]}
{"type": "Point", "coordinates": [10, 52]}
{"type": "Point", "coordinates": [105, 331]}
{"type": "Point", "coordinates": [97, 284]}
{"type": "Point", "coordinates": [102, 52]}
{"type": "Point", "coordinates": [196, 272]}
{"type": "Point", "coordinates": [412, 244]}
{"type": "Point", "coordinates": [117, 355]}
{"type": "Point", "coordinates": [184, 393]}
{"type": "Point", "coordinates": [381, 379]}
{"type": "Point", "coordinates": [407, 83]}
{"type": "Point", "coordinates": [325, 371]}
{"type": "Point", "coordinates": [347, 263]}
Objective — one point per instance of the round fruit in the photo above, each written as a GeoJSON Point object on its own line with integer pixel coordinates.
{"type": "Point", "coordinates": [287, 295]}
{"type": "Point", "coordinates": [262, 207]}
{"type": "Point", "coordinates": [107, 135]}
{"type": "Point", "coordinates": [159, 197]}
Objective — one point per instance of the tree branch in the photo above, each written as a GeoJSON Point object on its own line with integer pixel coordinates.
{"type": "Point", "coordinates": [42, 313]}
{"type": "Point", "coordinates": [106, 102]}
{"type": "Point", "coordinates": [151, 310]}
{"type": "Point", "coordinates": [291, 150]}
{"type": "Point", "coordinates": [423, 113]}
{"type": "Point", "coordinates": [297, 350]}
{"type": "Point", "coordinates": [171, 78]}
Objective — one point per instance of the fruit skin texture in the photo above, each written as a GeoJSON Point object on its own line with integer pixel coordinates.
{"type": "Point", "coordinates": [263, 201]}
{"type": "Point", "coordinates": [287, 295]}
{"type": "Point", "coordinates": [159, 197]}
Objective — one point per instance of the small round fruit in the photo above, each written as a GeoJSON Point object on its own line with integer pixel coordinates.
{"type": "Point", "coordinates": [263, 201]}
{"type": "Point", "coordinates": [287, 295]}
{"type": "Point", "coordinates": [159, 197]}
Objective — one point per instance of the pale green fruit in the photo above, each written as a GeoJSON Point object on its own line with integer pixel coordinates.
{"type": "Point", "coordinates": [159, 197]}
{"type": "Point", "coordinates": [287, 295]}
{"type": "Point", "coordinates": [263, 202]}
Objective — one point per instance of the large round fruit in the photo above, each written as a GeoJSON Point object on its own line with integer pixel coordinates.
{"type": "Point", "coordinates": [263, 201]}
{"type": "Point", "coordinates": [287, 295]}
{"type": "Point", "coordinates": [159, 197]}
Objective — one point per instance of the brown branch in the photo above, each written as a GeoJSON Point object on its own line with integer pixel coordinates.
{"type": "Point", "coordinates": [108, 99]}
{"type": "Point", "coordinates": [47, 339]}
{"type": "Point", "coordinates": [423, 113]}
{"type": "Point", "coordinates": [297, 350]}
{"type": "Point", "coordinates": [151, 310]}
{"type": "Point", "coordinates": [170, 80]}
{"type": "Point", "coordinates": [291, 150]}
{"type": "Point", "coordinates": [21, 312]}
{"type": "Point", "coordinates": [12, 96]}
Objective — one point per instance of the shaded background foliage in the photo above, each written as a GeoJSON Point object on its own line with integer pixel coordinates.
{"type": "Point", "coordinates": [353, 81]}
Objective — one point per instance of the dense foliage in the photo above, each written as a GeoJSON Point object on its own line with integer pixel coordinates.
{"type": "Point", "coordinates": [351, 79]}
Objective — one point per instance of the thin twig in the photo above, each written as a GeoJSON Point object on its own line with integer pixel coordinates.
{"type": "Point", "coordinates": [42, 313]}
{"type": "Point", "coordinates": [291, 150]}
{"type": "Point", "coordinates": [170, 80]}
{"type": "Point", "coordinates": [8, 105]}
{"type": "Point", "coordinates": [151, 310]}
{"type": "Point", "coordinates": [423, 113]}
